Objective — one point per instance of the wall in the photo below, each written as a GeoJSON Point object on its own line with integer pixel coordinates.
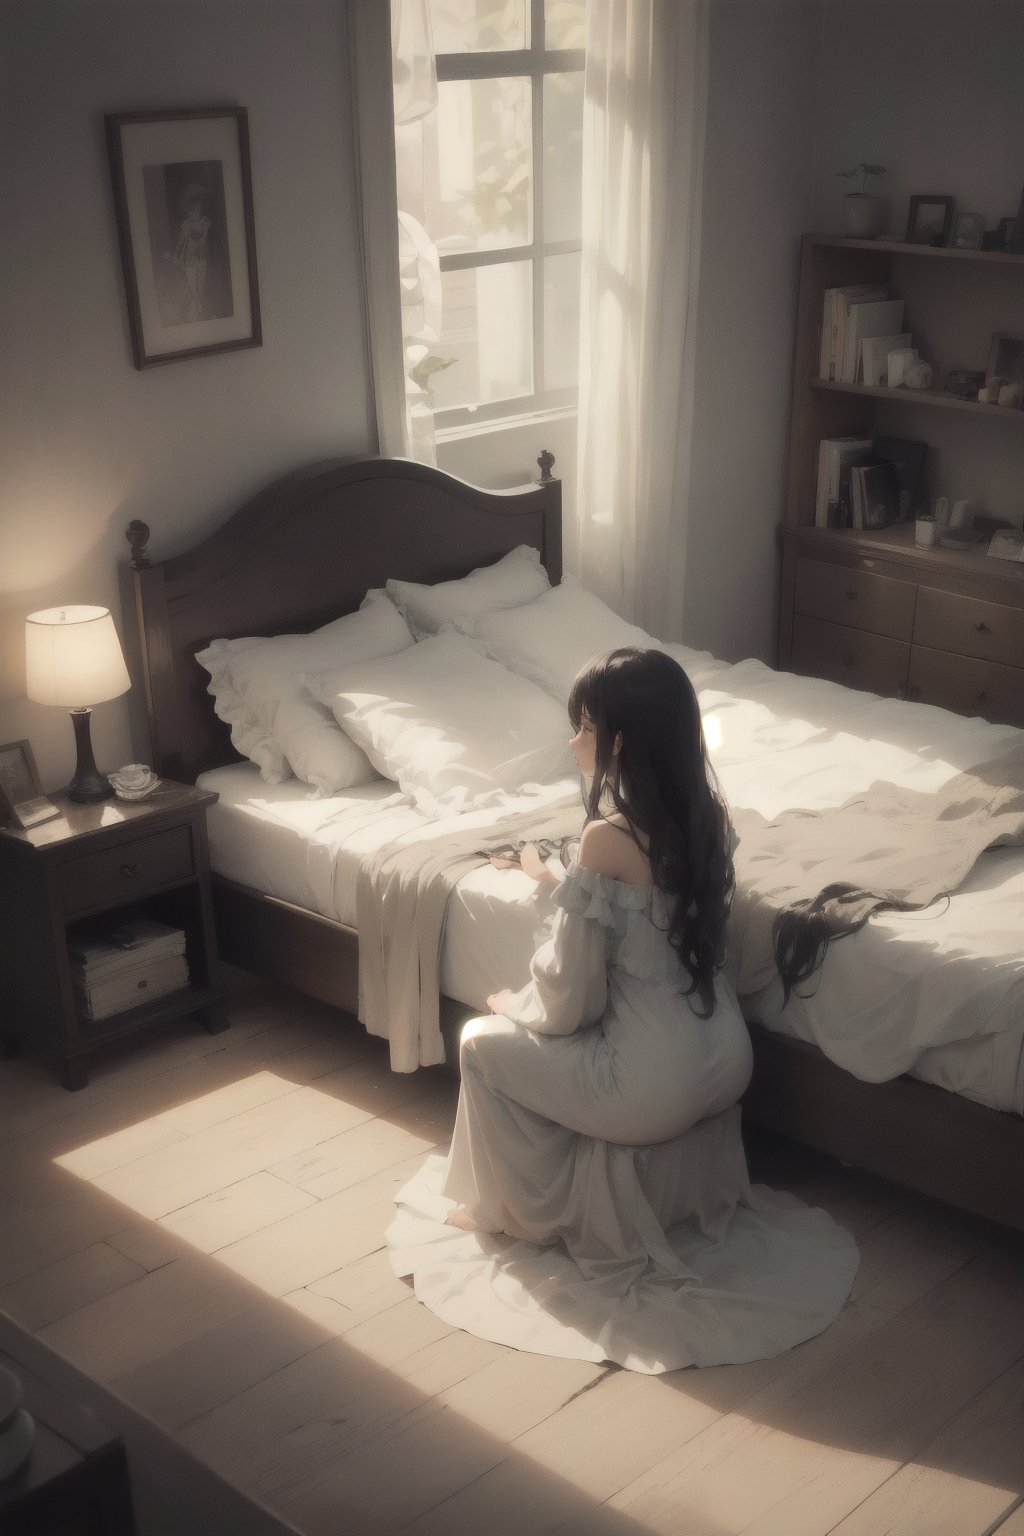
{"type": "Point", "coordinates": [931, 89]}
{"type": "Point", "coordinates": [87, 442]}
{"type": "Point", "coordinates": [763, 72]}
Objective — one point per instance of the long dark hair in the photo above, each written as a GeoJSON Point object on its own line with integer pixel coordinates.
{"type": "Point", "coordinates": [661, 781]}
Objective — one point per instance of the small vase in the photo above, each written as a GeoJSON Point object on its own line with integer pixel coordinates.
{"type": "Point", "coordinates": [864, 216]}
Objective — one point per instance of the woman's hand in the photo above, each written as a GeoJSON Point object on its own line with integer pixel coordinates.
{"type": "Point", "coordinates": [535, 866]}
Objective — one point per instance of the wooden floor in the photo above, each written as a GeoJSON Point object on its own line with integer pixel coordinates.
{"type": "Point", "coordinates": [202, 1228]}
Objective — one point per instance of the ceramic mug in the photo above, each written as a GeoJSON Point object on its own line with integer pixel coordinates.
{"type": "Point", "coordinates": [924, 531]}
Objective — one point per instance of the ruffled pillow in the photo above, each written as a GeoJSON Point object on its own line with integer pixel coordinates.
{"type": "Point", "coordinates": [275, 721]}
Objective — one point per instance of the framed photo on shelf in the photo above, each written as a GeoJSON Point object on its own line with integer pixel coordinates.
{"type": "Point", "coordinates": [22, 802]}
{"type": "Point", "coordinates": [183, 203]}
{"type": "Point", "coordinates": [968, 230]}
{"type": "Point", "coordinates": [1006, 359]}
{"type": "Point", "coordinates": [929, 219]}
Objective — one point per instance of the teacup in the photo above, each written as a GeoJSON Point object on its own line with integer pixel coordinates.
{"type": "Point", "coordinates": [133, 776]}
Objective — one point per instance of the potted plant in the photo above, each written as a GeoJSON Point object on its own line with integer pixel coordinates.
{"type": "Point", "coordinates": [865, 215]}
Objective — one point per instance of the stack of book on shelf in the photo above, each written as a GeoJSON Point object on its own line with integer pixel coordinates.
{"type": "Point", "coordinates": [869, 482]}
{"type": "Point", "coordinates": [126, 966]}
{"type": "Point", "coordinates": [860, 325]}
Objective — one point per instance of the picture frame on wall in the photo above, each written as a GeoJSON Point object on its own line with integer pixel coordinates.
{"type": "Point", "coordinates": [183, 205]}
{"type": "Point", "coordinates": [929, 219]}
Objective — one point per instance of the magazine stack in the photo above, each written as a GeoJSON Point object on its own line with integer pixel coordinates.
{"type": "Point", "coordinates": [127, 966]}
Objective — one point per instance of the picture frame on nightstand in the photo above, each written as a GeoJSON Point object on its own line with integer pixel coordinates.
{"type": "Point", "coordinates": [22, 801]}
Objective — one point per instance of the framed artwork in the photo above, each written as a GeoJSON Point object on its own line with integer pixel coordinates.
{"type": "Point", "coordinates": [928, 220]}
{"type": "Point", "coordinates": [183, 202]}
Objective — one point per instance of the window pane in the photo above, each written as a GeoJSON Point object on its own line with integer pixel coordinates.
{"type": "Point", "coordinates": [561, 321]}
{"type": "Point", "coordinates": [478, 26]}
{"type": "Point", "coordinates": [564, 23]}
{"type": "Point", "coordinates": [563, 156]}
{"type": "Point", "coordinates": [488, 332]}
{"type": "Point", "coordinates": [484, 195]}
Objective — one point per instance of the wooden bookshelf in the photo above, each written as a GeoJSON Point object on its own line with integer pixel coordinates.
{"type": "Point", "coordinates": [888, 590]}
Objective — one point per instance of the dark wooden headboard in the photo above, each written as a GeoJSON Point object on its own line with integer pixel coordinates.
{"type": "Point", "coordinates": [302, 552]}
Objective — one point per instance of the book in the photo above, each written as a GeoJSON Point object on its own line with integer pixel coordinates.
{"type": "Point", "coordinates": [867, 317]}
{"type": "Point", "coordinates": [112, 950]}
{"type": "Point", "coordinates": [833, 311]}
{"type": "Point", "coordinates": [861, 293]}
{"type": "Point", "coordinates": [836, 458]}
{"type": "Point", "coordinates": [874, 496]}
{"type": "Point", "coordinates": [909, 458]}
{"type": "Point", "coordinates": [874, 356]}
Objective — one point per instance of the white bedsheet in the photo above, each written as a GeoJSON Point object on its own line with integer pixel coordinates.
{"type": "Point", "coordinates": [951, 977]}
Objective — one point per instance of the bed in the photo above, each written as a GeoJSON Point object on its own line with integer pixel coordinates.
{"type": "Point", "coordinates": [944, 1118]}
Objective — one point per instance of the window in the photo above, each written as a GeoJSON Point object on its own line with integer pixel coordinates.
{"type": "Point", "coordinates": [489, 193]}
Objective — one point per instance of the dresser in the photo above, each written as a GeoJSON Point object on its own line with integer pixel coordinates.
{"type": "Point", "coordinates": [927, 625]}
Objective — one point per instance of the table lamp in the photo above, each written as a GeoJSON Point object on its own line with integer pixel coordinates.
{"type": "Point", "coordinates": [73, 657]}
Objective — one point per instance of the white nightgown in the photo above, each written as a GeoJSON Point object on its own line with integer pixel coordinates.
{"type": "Point", "coordinates": [597, 1144]}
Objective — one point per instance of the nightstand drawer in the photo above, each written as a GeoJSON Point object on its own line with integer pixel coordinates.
{"type": "Point", "coordinates": [849, 656]}
{"type": "Point", "coordinates": [970, 627]}
{"type": "Point", "coordinates": [878, 604]}
{"type": "Point", "coordinates": [119, 874]}
{"type": "Point", "coordinates": [968, 686]}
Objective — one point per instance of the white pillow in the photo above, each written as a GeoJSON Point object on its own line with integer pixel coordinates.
{"type": "Point", "coordinates": [551, 639]}
{"type": "Point", "coordinates": [454, 729]}
{"type": "Point", "coordinates": [516, 578]}
{"type": "Point", "coordinates": [257, 689]}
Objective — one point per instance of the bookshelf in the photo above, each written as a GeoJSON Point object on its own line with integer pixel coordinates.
{"type": "Point", "coordinates": [874, 609]}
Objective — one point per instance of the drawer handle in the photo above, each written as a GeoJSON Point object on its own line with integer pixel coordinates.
{"type": "Point", "coordinates": [131, 870]}
{"type": "Point", "coordinates": [982, 627]}
{"type": "Point", "coordinates": [851, 593]}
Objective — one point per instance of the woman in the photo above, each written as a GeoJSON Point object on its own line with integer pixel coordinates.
{"type": "Point", "coordinates": [595, 1202]}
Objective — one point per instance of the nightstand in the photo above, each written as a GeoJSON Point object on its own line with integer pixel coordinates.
{"type": "Point", "coordinates": [110, 861]}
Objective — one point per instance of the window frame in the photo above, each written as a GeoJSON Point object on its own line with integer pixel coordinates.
{"type": "Point", "coordinates": [532, 63]}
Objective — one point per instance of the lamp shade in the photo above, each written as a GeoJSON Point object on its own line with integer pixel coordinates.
{"type": "Point", "coordinates": [73, 657]}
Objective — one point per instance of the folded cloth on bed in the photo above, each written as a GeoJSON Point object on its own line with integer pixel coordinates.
{"type": "Point", "coordinates": [402, 893]}
{"type": "Point", "coordinates": [886, 847]}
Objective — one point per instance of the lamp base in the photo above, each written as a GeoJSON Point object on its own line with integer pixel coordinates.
{"type": "Point", "coordinates": [88, 784]}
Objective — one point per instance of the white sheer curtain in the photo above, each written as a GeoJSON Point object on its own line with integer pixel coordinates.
{"type": "Point", "coordinates": [644, 112]}
{"type": "Point", "coordinates": [394, 85]}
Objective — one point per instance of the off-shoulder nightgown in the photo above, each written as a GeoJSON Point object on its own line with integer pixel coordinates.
{"type": "Point", "coordinates": [597, 1147]}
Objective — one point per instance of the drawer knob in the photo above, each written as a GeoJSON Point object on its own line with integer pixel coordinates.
{"type": "Point", "coordinates": [131, 870]}
{"type": "Point", "coordinates": [851, 593]}
{"type": "Point", "coordinates": [981, 627]}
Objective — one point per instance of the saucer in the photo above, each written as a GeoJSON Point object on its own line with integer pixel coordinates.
{"type": "Point", "coordinates": [134, 794]}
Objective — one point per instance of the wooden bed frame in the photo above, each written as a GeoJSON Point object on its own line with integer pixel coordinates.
{"type": "Point", "coordinates": [307, 549]}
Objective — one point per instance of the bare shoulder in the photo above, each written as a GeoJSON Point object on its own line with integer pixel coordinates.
{"type": "Point", "coordinates": [609, 850]}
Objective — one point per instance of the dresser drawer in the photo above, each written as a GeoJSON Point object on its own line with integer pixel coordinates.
{"type": "Point", "coordinates": [966, 685]}
{"type": "Point", "coordinates": [849, 656]}
{"type": "Point", "coordinates": [878, 604]}
{"type": "Point", "coordinates": [969, 626]}
{"type": "Point", "coordinates": [119, 874]}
